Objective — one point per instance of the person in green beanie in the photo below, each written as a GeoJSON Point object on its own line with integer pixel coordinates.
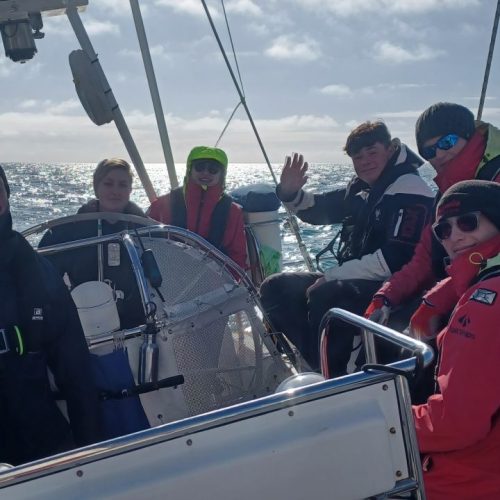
{"type": "Point", "coordinates": [202, 206]}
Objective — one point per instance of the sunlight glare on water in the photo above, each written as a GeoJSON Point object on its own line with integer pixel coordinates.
{"type": "Point", "coordinates": [40, 192]}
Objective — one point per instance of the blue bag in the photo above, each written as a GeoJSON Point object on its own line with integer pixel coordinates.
{"type": "Point", "coordinates": [112, 373]}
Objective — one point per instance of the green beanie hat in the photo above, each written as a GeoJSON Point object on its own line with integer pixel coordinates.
{"type": "Point", "coordinates": [206, 153]}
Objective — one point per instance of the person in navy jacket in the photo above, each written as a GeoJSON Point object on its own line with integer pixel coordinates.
{"type": "Point", "coordinates": [39, 330]}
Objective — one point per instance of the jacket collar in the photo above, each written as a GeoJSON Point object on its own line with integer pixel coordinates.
{"type": "Point", "coordinates": [466, 266]}
{"type": "Point", "coordinates": [464, 165]}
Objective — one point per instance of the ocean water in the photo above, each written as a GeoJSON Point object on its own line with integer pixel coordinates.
{"type": "Point", "coordinates": [41, 192]}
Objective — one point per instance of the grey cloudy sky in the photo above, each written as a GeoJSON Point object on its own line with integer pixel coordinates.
{"type": "Point", "coordinates": [312, 69]}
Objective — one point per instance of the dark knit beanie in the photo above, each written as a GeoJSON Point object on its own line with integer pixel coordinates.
{"type": "Point", "coordinates": [4, 179]}
{"type": "Point", "coordinates": [441, 119]}
{"type": "Point", "coordinates": [471, 196]}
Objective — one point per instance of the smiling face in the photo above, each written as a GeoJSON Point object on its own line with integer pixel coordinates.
{"type": "Point", "coordinates": [113, 191]}
{"type": "Point", "coordinates": [460, 241]}
{"type": "Point", "coordinates": [206, 172]}
{"type": "Point", "coordinates": [443, 157]}
{"type": "Point", "coordinates": [4, 199]}
{"type": "Point", "coordinates": [370, 161]}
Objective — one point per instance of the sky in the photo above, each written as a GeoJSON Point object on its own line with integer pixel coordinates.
{"type": "Point", "coordinates": [311, 70]}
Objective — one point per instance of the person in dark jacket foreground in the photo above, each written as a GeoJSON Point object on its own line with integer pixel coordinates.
{"type": "Point", "coordinates": [39, 329]}
{"type": "Point", "coordinates": [382, 210]}
{"type": "Point", "coordinates": [458, 427]}
{"type": "Point", "coordinates": [112, 181]}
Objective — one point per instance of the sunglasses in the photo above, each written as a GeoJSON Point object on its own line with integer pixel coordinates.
{"type": "Point", "coordinates": [210, 166]}
{"type": "Point", "coordinates": [466, 223]}
{"type": "Point", "coordinates": [446, 142]}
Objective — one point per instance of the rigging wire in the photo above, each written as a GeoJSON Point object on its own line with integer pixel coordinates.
{"type": "Point", "coordinates": [488, 62]}
{"type": "Point", "coordinates": [232, 47]}
{"type": "Point", "coordinates": [239, 75]}
{"type": "Point", "coordinates": [291, 218]}
{"type": "Point", "coordinates": [227, 124]}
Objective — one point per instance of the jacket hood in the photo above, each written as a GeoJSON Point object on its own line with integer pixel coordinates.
{"type": "Point", "coordinates": [206, 153]}
{"type": "Point", "coordinates": [406, 155]}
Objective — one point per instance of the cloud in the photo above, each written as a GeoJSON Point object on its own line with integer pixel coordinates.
{"type": "Point", "coordinates": [60, 26]}
{"type": "Point", "coordinates": [57, 137]}
{"type": "Point", "coordinates": [29, 103]}
{"type": "Point", "coordinates": [50, 107]}
{"type": "Point", "coordinates": [244, 7]}
{"type": "Point", "coordinates": [6, 67]}
{"type": "Point", "coordinates": [62, 108]}
{"type": "Point", "coordinates": [155, 51]}
{"type": "Point", "coordinates": [347, 8]}
{"type": "Point", "coordinates": [336, 90]}
{"type": "Point", "coordinates": [95, 27]}
{"type": "Point", "coordinates": [191, 7]}
{"type": "Point", "coordinates": [287, 47]}
{"type": "Point", "coordinates": [405, 114]}
{"type": "Point", "coordinates": [389, 52]}
{"type": "Point", "coordinates": [117, 7]}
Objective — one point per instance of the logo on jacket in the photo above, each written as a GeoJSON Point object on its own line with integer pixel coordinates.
{"type": "Point", "coordinates": [37, 314]}
{"type": "Point", "coordinates": [484, 296]}
{"type": "Point", "coordinates": [464, 320]}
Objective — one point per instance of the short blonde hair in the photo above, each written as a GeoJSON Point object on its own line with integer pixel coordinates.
{"type": "Point", "coordinates": [105, 166]}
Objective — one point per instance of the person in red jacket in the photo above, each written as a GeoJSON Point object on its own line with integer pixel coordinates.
{"type": "Point", "coordinates": [202, 206]}
{"type": "Point", "coordinates": [458, 428]}
{"type": "Point", "coordinates": [458, 149]}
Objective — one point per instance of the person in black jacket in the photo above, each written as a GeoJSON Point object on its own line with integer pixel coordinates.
{"type": "Point", "coordinates": [382, 211]}
{"type": "Point", "coordinates": [39, 329]}
{"type": "Point", "coordinates": [112, 181]}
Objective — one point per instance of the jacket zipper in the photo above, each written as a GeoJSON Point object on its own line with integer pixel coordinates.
{"type": "Point", "coordinates": [200, 208]}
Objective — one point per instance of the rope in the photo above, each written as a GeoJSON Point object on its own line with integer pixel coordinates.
{"type": "Point", "coordinates": [488, 62]}
{"type": "Point", "coordinates": [291, 217]}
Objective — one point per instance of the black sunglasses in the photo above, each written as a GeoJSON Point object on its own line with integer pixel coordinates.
{"type": "Point", "coordinates": [466, 223]}
{"type": "Point", "coordinates": [446, 142]}
{"type": "Point", "coordinates": [211, 166]}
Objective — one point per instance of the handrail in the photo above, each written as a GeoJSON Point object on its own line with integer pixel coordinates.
{"type": "Point", "coordinates": [420, 349]}
{"type": "Point", "coordinates": [109, 216]}
{"type": "Point", "coordinates": [187, 426]}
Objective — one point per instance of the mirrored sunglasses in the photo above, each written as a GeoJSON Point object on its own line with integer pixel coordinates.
{"type": "Point", "coordinates": [466, 223]}
{"type": "Point", "coordinates": [446, 142]}
{"type": "Point", "coordinates": [212, 167]}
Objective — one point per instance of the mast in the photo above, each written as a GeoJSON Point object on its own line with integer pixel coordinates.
{"type": "Point", "coordinates": [488, 62]}
{"type": "Point", "coordinates": [155, 95]}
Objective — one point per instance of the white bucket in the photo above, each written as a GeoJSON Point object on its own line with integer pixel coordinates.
{"type": "Point", "coordinates": [266, 228]}
{"type": "Point", "coordinates": [95, 301]}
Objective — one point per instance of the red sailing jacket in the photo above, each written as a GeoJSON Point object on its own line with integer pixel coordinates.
{"type": "Point", "coordinates": [458, 429]}
{"type": "Point", "coordinates": [200, 205]}
{"type": "Point", "coordinates": [418, 275]}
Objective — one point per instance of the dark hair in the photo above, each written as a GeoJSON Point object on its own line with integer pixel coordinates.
{"type": "Point", "coordinates": [104, 167]}
{"type": "Point", "coordinates": [5, 183]}
{"type": "Point", "coordinates": [366, 135]}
